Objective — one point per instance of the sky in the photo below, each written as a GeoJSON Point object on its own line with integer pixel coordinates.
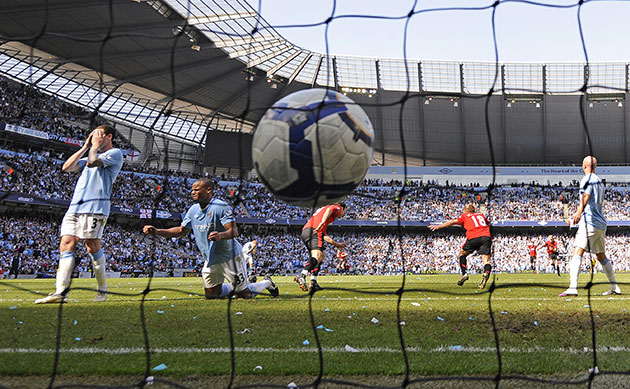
{"type": "Point", "coordinates": [525, 32]}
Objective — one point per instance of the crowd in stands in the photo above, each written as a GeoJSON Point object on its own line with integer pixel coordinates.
{"type": "Point", "coordinates": [31, 243]}
{"type": "Point", "coordinates": [30, 108]}
{"type": "Point", "coordinates": [34, 241]}
{"type": "Point", "coordinates": [42, 176]}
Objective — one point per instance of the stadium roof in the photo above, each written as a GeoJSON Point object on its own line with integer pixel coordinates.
{"type": "Point", "coordinates": [206, 58]}
{"type": "Point", "coordinates": [179, 66]}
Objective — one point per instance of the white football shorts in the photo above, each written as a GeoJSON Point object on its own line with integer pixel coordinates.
{"type": "Point", "coordinates": [83, 225]}
{"type": "Point", "coordinates": [234, 271]}
{"type": "Point", "coordinates": [590, 239]}
{"type": "Point", "coordinates": [248, 261]}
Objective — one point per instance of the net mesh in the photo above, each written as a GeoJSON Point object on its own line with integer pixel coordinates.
{"type": "Point", "coordinates": [251, 48]}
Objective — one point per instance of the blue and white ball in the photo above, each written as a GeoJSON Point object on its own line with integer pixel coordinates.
{"type": "Point", "coordinates": [313, 147]}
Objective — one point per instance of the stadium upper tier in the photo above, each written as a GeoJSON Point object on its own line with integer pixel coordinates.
{"type": "Point", "coordinates": [179, 67]}
{"type": "Point", "coordinates": [41, 176]}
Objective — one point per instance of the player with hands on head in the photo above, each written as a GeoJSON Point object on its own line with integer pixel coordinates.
{"type": "Point", "coordinates": [314, 235]}
{"type": "Point", "coordinates": [591, 229]}
{"type": "Point", "coordinates": [213, 224]}
{"type": "Point", "coordinates": [478, 238]}
{"type": "Point", "coordinates": [89, 209]}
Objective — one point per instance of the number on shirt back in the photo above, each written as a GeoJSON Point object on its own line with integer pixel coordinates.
{"type": "Point", "coordinates": [478, 220]}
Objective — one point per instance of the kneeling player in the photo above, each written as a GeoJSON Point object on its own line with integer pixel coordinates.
{"type": "Point", "coordinates": [478, 239]}
{"type": "Point", "coordinates": [313, 236]}
{"type": "Point", "coordinates": [214, 227]}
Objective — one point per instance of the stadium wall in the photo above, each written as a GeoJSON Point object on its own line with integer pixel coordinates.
{"type": "Point", "coordinates": [540, 175]}
{"type": "Point", "coordinates": [543, 129]}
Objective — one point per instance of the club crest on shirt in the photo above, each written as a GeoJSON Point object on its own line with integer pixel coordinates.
{"type": "Point", "coordinates": [209, 214]}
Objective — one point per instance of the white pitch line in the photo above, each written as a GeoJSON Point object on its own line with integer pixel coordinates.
{"type": "Point", "coordinates": [369, 350]}
{"type": "Point", "coordinates": [393, 298]}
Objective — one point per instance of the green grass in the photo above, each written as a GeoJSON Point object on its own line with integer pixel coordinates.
{"type": "Point", "coordinates": [539, 333]}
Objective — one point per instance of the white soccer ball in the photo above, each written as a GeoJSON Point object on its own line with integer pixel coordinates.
{"type": "Point", "coordinates": [313, 147]}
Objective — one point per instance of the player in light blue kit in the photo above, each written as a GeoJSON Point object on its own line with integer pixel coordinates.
{"type": "Point", "coordinates": [214, 227]}
{"type": "Point", "coordinates": [591, 229]}
{"type": "Point", "coordinates": [89, 209]}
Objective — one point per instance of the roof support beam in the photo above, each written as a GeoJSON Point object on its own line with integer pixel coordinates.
{"type": "Point", "coordinates": [280, 65]}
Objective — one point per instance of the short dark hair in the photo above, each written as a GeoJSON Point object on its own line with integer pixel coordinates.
{"type": "Point", "coordinates": [109, 130]}
{"type": "Point", "coordinates": [206, 182]}
{"type": "Point", "coordinates": [342, 204]}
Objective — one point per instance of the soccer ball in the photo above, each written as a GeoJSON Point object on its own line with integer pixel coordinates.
{"type": "Point", "coordinates": [313, 147]}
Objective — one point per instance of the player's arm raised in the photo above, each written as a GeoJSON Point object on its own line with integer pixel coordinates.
{"type": "Point", "coordinates": [173, 232]}
{"type": "Point", "coordinates": [452, 222]}
{"type": "Point", "coordinates": [72, 163]}
{"type": "Point", "coordinates": [98, 137]}
{"type": "Point", "coordinates": [231, 231]}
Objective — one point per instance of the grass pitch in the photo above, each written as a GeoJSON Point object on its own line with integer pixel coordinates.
{"type": "Point", "coordinates": [447, 330]}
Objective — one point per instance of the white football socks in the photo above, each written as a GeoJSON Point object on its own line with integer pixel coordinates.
{"type": "Point", "coordinates": [574, 271]}
{"type": "Point", "coordinates": [226, 289]}
{"type": "Point", "coordinates": [259, 287]}
{"type": "Point", "coordinates": [610, 272]}
{"type": "Point", "coordinates": [98, 266]}
{"type": "Point", "coordinates": [64, 271]}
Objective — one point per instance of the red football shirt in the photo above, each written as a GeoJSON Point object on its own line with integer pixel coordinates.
{"type": "Point", "coordinates": [476, 225]}
{"type": "Point", "coordinates": [532, 249]}
{"type": "Point", "coordinates": [314, 221]}
{"type": "Point", "coordinates": [552, 247]}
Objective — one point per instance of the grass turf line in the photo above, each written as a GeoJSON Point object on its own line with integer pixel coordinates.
{"type": "Point", "coordinates": [447, 328]}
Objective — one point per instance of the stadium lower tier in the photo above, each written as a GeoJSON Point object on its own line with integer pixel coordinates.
{"type": "Point", "coordinates": [29, 246]}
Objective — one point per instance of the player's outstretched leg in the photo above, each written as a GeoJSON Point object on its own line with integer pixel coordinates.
{"type": "Point", "coordinates": [260, 286]}
{"type": "Point", "coordinates": [309, 266]}
{"type": "Point", "coordinates": [463, 268]}
{"type": "Point", "coordinates": [301, 281]}
{"type": "Point", "coordinates": [487, 268]}
{"type": "Point", "coordinates": [608, 269]}
{"type": "Point", "coordinates": [272, 288]}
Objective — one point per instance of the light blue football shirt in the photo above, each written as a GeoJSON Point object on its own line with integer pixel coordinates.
{"type": "Point", "coordinates": [213, 217]}
{"type": "Point", "coordinates": [93, 190]}
{"type": "Point", "coordinates": [593, 214]}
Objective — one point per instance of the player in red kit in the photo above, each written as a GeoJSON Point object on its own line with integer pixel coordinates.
{"type": "Point", "coordinates": [478, 239]}
{"type": "Point", "coordinates": [314, 235]}
{"type": "Point", "coordinates": [552, 250]}
{"type": "Point", "coordinates": [342, 265]}
{"type": "Point", "coordinates": [532, 254]}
